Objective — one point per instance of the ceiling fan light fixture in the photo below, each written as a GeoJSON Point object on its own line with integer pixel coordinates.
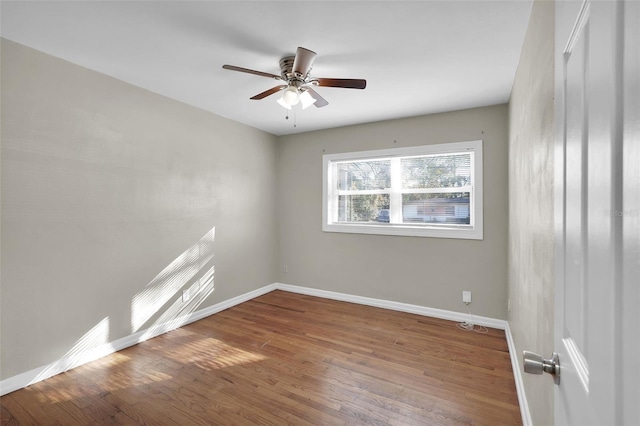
{"type": "Point", "coordinates": [283, 104]}
{"type": "Point", "coordinates": [291, 96]}
{"type": "Point", "coordinates": [307, 100]}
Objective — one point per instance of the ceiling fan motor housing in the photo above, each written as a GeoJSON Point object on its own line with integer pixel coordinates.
{"type": "Point", "coordinates": [286, 69]}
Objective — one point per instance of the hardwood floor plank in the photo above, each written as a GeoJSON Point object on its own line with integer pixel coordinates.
{"type": "Point", "coordinates": [14, 414]}
{"type": "Point", "coordinates": [286, 358]}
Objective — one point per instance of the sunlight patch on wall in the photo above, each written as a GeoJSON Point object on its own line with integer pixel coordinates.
{"type": "Point", "coordinates": [93, 345]}
{"type": "Point", "coordinates": [178, 313]}
{"type": "Point", "coordinates": [170, 281]}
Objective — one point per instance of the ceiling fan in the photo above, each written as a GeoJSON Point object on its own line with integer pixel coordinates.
{"type": "Point", "coordinates": [297, 81]}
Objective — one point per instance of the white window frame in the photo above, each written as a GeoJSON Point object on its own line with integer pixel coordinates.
{"type": "Point", "coordinates": [473, 231]}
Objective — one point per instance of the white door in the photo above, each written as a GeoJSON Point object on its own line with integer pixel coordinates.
{"type": "Point", "coordinates": [597, 212]}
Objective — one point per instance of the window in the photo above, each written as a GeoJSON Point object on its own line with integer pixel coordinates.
{"type": "Point", "coordinates": [425, 191]}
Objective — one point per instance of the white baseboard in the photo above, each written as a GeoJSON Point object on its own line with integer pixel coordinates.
{"type": "Point", "coordinates": [517, 375]}
{"type": "Point", "coordinates": [395, 306]}
{"type": "Point", "coordinates": [64, 364]}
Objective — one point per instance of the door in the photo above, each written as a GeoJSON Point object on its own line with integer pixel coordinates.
{"type": "Point", "coordinates": [597, 212]}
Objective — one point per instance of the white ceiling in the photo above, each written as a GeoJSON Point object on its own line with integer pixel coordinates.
{"type": "Point", "coordinates": [418, 57]}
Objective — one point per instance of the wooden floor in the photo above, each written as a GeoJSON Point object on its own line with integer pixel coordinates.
{"type": "Point", "coordinates": [285, 358]}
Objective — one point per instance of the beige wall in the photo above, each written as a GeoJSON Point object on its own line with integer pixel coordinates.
{"type": "Point", "coordinates": [531, 257]}
{"type": "Point", "coordinates": [106, 185]}
{"type": "Point", "coordinates": [431, 272]}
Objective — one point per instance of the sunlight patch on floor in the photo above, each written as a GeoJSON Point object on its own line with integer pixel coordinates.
{"type": "Point", "coordinates": [212, 354]}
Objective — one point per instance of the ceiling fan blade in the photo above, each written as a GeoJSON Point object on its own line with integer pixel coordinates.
{"type": "Point", "coordinates": [248, 71]}
{"type": "Point", "coordinates": [303, 61]}
{"type": "Point", "coordinates": [269, 92]}
{"type": "Point", "coordinates": [348, 83]}
{"type": "Point", "coordinates": [320, 101]}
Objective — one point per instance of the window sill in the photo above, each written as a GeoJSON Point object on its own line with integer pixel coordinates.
{"type": "Point", "coordinates": [466, 232]}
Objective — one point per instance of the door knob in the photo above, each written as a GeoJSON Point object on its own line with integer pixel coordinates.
{"type": "Point", "coordinates": [535, 364]}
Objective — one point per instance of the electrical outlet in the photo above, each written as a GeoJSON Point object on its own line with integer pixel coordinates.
{"type": "Point", "coordinates": [466, 297]}
{"type": "Point", "coordinates": [186, 295]}
{"type": "Point", "coordinates": [285, 269]}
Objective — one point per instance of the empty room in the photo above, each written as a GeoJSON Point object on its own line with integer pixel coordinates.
{"type": "Point", "coordinates": [320, 212]}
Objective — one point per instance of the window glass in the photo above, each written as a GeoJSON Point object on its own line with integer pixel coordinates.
{"type": "Point", "coordinates": [438, 171]}
{"type": "Point", "coordinates": [436, 208]}
{"type": "Point", "coordinates": [363, 175]}
{"type": "Point", "coordinates": [362, 208]}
